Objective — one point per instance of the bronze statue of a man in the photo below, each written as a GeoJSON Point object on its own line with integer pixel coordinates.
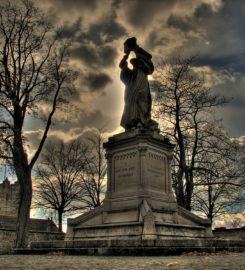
{"type": "Point", "coordinates": [137, 97]}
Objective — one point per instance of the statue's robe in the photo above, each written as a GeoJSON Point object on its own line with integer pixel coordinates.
{"type": "Point", "coordinates": [137, 97]}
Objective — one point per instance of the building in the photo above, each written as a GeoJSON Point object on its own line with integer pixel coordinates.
{"type": "Point", "coordinates": [39, 229]}
{"type": "Point", "coordinates": [9, 196]}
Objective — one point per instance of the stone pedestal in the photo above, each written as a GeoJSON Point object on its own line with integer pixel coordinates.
{"type": "Point", "coordinates": [139, 168]}
{"type": "Point", "coordinates": [139, 203]}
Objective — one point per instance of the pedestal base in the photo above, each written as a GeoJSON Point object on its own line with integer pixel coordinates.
{"type": "Point", "coordinates": [139, 202]}
{"type": "Point", "coordinates": [142, 223]}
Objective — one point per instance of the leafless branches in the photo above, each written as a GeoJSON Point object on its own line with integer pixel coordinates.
{"type": "Point", "coordinates": [182, 104]}
{"type": "Point", "coordinates": [219, 179]}
{"type": "Point", "coordinates": [93, 178]}
{"type": "Point", "coordinates": [58, 182]}
{"type": "Point", "coordinates": [33, 71]}
{"type": "Point", "coordinates": [71, 176]}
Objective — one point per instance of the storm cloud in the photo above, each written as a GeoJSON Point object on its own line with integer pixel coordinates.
{"type": "Point", "coordinates": [141, 13]}
{"type": "Point", "coordinates": [95, 57]}
{"type": "Point", "coordinates": [219, 35]}
{"type": "Point", "coordinates": [104, 31]}
{"type": "Point", "coordinates": [63, 5]}
{"type": "Point", "coordinates": [97, 82]}
{"type": "Point", "coordinates": [97, 29]}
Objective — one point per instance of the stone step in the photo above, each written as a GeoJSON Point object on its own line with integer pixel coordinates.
{"type": "Point", "coordinates": [134, 247]}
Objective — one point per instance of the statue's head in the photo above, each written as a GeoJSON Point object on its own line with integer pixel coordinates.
{"type": "Point", "coordinates": [129, 45]}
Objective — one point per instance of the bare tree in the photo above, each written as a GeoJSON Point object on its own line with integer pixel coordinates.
{"type": "Point", "coordinates": [93, 178]}
{"type": "Point", "coordinates": [71, 176]}
{"type": "Point", "coordinates": [182, 104]}
{"type": "Point", "coordinates": [33, 72]}
{"type": "Point", "coordinates": [219, 179]}
{"type": "Point", "coordinates": [58, 183]}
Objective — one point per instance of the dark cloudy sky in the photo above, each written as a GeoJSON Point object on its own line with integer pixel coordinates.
{"type": "Point", "coordinates": [97, 28]}
{"type": "Point", "coordinates": [213, 28]}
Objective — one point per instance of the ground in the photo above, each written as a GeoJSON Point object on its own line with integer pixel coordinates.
{"type": "Point", "coordinates": [58, 261]}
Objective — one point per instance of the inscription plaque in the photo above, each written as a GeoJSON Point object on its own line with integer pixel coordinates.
{"type": "Point", "coordinates": [156, 170]}
{"type": "Point", "coordinates": [125, 170]}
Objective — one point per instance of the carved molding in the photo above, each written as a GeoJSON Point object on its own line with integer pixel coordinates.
{"type": "Point", "coordinates": [155, 156]}
{"type": "Point", "coordinates": [125, 156]}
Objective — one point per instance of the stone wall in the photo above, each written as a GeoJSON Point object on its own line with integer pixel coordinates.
{"type": "Point", "coordinates": [7, 238]}
{"type": "Point", "coordinates": [40, 230]}
{"type": "Point", "coordinates": [235, 233]}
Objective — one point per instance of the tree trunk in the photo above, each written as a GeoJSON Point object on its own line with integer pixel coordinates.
{"type": "Point", "coordinates": [179, 191]}
{"type": "Point", "coordinates": [189, 189]}
{"type": "Point", "coordinates": [23, 173]}
{"type": "Point", "coordinates": [60, 214]}
{"type": "Point", "coordinates": [182, 157]}
{"type": "Point", "coordinates": [210, 217]}
{"type": "Point", "coordinates": [210, 203]}
{"type": "Point", "coordinates": [24, 210]}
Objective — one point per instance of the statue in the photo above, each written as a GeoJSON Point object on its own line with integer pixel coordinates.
{"type": "Point", "coordinates": [137, 97]}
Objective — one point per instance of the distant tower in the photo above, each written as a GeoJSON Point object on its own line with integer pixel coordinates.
{"type": "Point", "coordinates": [9, 198]}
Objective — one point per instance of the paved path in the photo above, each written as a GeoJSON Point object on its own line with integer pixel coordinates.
{"type": "Point", "coordinates": [221, 261]}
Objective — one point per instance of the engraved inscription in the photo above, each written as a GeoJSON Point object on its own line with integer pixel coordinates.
{"type": "Point", "coordinates": [156, 170]}
{"type": "Point", "coordinates": [125, 170]}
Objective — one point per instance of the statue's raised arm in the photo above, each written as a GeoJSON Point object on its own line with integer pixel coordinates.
{"type": "Point", "coordinates": [137, 97]}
